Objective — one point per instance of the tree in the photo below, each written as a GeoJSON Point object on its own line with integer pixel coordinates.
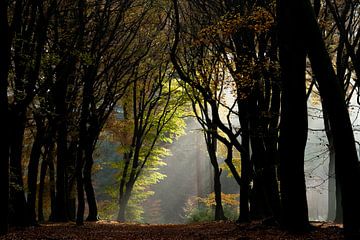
{"type": "Point", "coordinates": [293, 136]}
{"type": "Point", "coordinates": [228, 38]}
{"type": "Point", "coordinates": [346, 162]}
{"type": "Point", "coordinates": [155, 104]}
{"type": "Point", "coordinates": [4, 148]}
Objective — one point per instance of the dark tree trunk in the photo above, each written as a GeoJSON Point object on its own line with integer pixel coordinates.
{"type": "Point", "coordinates": [63, 73]}
{"type": "Point", "coordinates": [43, 170]}
{"type": "Point", "coordinates": [71, 169]}
{"type": "Point", "coordinates": [4, 113]}
{"type": "Point", "coordinates": [121, 214]}
{"type": "Point", "coordinates": [61, 178]}
{"type": "Point", "coordinates": [245, 167]}
{"type": "Point", "coordinates": [20, 216]}
{"type": "Point", "coordinates": [52, 185]}
{"type": "Point", "coordinates": [346, 160]}
{"type": "Point", "coordinates": [260, 206]}
{"type": "Point", "coordinates": [33, 169]}
{"type": "Point", "coordinates": [80, 187]}
{"type": "Point", "coordinates": [334, 192]}
{"type": "Point", "coordinates": [271, 140]}
{"type": "Point", "coordinates": [211, 143]}
{"type": "Point", "coordinates": [293, 126]}
{"type": "Point", "coordinates": [89, 189]}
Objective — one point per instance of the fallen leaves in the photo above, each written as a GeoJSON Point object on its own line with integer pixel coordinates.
{"type": "Point", "coordinates": [107, 230]}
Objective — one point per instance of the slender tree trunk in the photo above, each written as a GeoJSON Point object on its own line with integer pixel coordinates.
{"type": "Point", "coordinates": [334, 192]}
{"type": "Point", "coordinates": [121, 214]}
{"type": "Point", "coordinates": [245, 169]}
{"type": "Point", "coordinates": [80, 187]}
{"type": "Point", "coordinates": [89, 189]}
{"type": "Point", "coordinates": [260, 206]}
{"type": "Point", "coordinates": [71, 183]}
{"type": "Point", "coordinates": [52, 186]}
{"type": "Point", "coordinates": [211, 143]}
{"type": "Point", "coordinates": [33, 169]}
{"type": "Point", "coordinates": [64, 71]}
{"type": "Point", "coordinates": [20, 215]}
{"type": "Point", "coordinates": [271, 140]}
{"type": "Point", "coordinates": [293, 126]}
{"type": "Point", "coordinates": [259, 202]}
{"type": "Point", "coordinates": [346, 161]}
{"type": "Point", "coordinates": [43, 170]}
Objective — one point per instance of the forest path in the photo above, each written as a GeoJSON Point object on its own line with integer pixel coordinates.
{"type": "Point", "coordinates": [104, 230]}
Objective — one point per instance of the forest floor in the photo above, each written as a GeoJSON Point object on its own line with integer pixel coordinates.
{"type": "Point", "coordinates": [104, 230]}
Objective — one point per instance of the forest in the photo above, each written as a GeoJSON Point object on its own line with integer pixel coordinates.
{"type": "Point", "coordinates": [209, 114]}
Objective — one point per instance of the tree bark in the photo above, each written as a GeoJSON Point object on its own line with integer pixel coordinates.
{"type": "Point", "coordinates": [89, 189]}
{"type": "Point", "coordinates": [293, 125]}
{"type": "Point", "coordinates": [245, 168]}
{"type": "Point", "coordinates": [211, 143]}
{"type": "Point", "coordinates": [20, 216]}
{"type": "Point", "coordinates": [43, 170]}
{"type": "Point", "coordinates": [33, 169]}
{"type": "Point", "coordinates": [4, 147]}
{"type": "Point", "coordinates": [346, 161]}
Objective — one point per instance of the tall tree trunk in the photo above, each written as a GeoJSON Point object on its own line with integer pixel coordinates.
{"type": "Point", "coordinates": [121, 214]}
{"type": "Point", "coordinates": [124, 200]}
{"type": "Point", "coordinates": [33, 169]}
{"type": "Point", "coordinates": [211, 143]}
{"type": "Point", "coordinates": [245, 167]}
{"type": "Point", "coordinates": [52, 184]}
{"type": "Point", "coordinates": [65, 69]}
{"type": "Point", "coordinates": [80, 187]}
{"type": "Point", "coordinates": [347, 167]}
{"type": "Point", "coordinates": [20, 215]}
{"type": "Point", "coordinates": [43, 170]}
{"type": "Point", "coordinates": [334, 192]}
{"type": "Point", "coordinates": [271, 140]}
{"type": "Point", "coordinates": [4, 113]}
{"type": "Point", "coordinates": [89, 189]}
{"type": "Point", "coordinates": [293, 125]}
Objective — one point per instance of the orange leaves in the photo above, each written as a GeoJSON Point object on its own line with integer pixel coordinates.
{"type": "Point", "coordinates": [228, 199]}
{"type": "Point", "coordinates": [258, 20]}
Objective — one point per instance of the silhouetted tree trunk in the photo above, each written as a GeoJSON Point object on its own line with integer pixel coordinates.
{"type": "Point", "coordinates": [19, 216]}
{"type": "Point", "coordinates": [43, 170]}
{"type": "Point", "coordinates": [260, 206]}
{"type": "Point", "coordinates": [89, 189]}
{"type": "Point", "coordinates": [80, 184]}
{"type": "Point", "coordinates": [211, 143]}
{"type": "Point", "coordinates": [63, 72]}
{"type": "Point", "coordinates": [71, 169]}
{"type": "Point", "coordinates": [346, 160]}
{"type": "Point", "coordinates": [33, 167]}
{"type": "Point", "coordinates": [271, 140]}
{"type": "Point", "coordinates": [122, 205]}
{"type": "Point", "coordinates": [4, 126]}
{"type": "Point", "coordinates": [245, 167]}
{"type": "Point", "coordinates": [293, 125]}
{"type": "Point", "coordinates": [334, 192]}
{"type": "Point", "coordinates": [52, 183]}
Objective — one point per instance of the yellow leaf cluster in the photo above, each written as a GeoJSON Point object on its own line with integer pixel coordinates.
{"type": "Point", "coordinates": [228, 199]}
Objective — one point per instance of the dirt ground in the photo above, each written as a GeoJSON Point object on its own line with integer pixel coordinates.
{"type": "Point", "coordinates": [104, 230]}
